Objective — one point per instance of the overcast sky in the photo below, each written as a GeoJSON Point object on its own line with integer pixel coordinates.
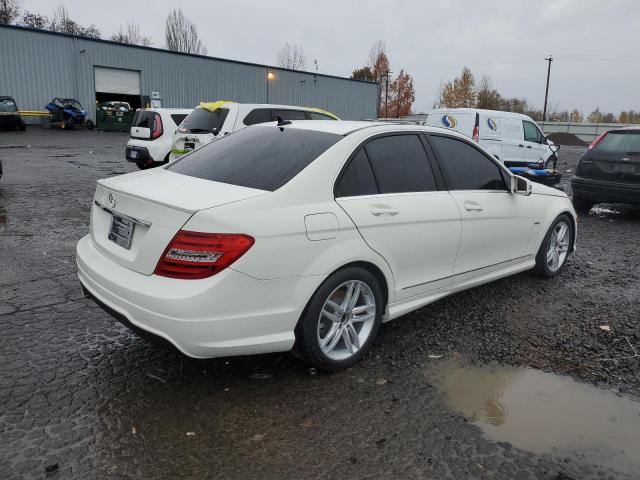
{"type": "Point", "coordinates": [595, 43]}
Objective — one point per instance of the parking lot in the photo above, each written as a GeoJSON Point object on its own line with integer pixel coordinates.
{"type": "Point", "coordinates": [82, 396]}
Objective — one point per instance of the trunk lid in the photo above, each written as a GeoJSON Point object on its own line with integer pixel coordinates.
{"type": "Point", "coordinates": [135, 216]}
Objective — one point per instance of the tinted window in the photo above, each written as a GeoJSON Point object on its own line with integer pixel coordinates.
{"type": "Point", "coordinates": [178, 117]}
{"type": "Point", "coordinates": [261, 157]}
{"type": "Point", "coordinates": [465, 167]}
{"type": "Point", "coordinates": [400, 164]}
{"type": "Point", "coordinates": [357, 178]}
{"type": "Point", "coordinates": [319, 116]}
{"type": "Point", "coordinates": [7, 105]}
{"type": "Point", "coordinates": [290, 114]}
{"type": "Point", "coordinates": [202, 120]}
{"type": "Point", "coordinates": [531, 132]}
{"type": "Point", "coordinates": [143, 119]}
{"type": "Point", "coordinates": [258, 115]}
{"type": "Point", "coordinates": [620, 142]}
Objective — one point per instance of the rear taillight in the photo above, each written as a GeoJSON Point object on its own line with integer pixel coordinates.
{"type": "Point", "coordinates": [193, 255]}
{"type": "Point", "coordinates": [157, 126]}
{"type": "Point", "coordinates": [597, 140]}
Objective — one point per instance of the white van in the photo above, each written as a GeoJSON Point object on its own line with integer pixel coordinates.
{"type": "Point", "coordinates": [151, 135]}
{"type": "Point", "coordinates": [211, 119]}
{"type": "Point", "coordinates": [513, 138]}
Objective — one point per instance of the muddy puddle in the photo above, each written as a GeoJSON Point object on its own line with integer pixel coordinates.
{"type": "Point", "coordinates": [544, 413]}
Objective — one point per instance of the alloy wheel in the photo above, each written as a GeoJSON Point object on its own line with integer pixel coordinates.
{"type": "Point", "coordinates": [558, 246]}
{"type": "Point", "coordinates": [346, 320]}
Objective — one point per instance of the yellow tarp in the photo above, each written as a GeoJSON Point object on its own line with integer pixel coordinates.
{"type": "Point", "coordinates": [213, 106]}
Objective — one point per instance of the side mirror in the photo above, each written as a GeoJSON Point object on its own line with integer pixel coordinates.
{"type": "Point", "coordinates": [215, 132]}
{"type": "Point", "coordinates": [520, 186]}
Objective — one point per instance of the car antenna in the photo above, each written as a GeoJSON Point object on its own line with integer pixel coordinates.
{"type": "Point", "coordinates": [282, 123]}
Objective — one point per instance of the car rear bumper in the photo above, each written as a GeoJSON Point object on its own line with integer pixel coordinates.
{"type": "Point", "coordinates": [228, 314]}
{"type": "Point", "coordinates": [604, 191]}
{"type": "Point", "coordinates": [138, 154]}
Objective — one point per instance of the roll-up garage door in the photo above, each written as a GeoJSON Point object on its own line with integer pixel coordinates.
{"type": "Point", "coordinates": [115, 80]}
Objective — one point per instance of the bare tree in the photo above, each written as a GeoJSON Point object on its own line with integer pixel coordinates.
{"type": "Point", "coordinates": [181, 34]}
{"type": "Point", "coordinates": [9, 11]}
{"type": "Point", "coordinates": [132, 35]}
{"type": "Point", "coordinates": [293, 57]}
{"type": "Point", "coordinates": [62, 22]}
{"type": "Point", "coordinates": [35, 20]}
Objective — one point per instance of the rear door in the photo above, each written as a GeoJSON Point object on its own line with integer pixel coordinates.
{"type": "Point", "coordinates": [389, 190]}
{"type": "Point", "coordinates": [496, 224]}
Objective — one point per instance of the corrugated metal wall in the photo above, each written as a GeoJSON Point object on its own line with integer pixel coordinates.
{"type": "Point", "coordinates": [37, 66]}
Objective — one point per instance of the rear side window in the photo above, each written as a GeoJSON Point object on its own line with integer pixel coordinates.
{"type": "Point", "coordinates": [258, 115]}
{"type": "Point", "coordinates": [178, 117]}
{"type": "Point", "coordinates": [319, 116]}
{"type": "Point", "coordinates": [357, 179]}
{"type": "Point", "coordinates": [620, 142]}
{"type": "Point", "coordinates": [143, 119]}
{"type": "Point", "coordinates": [201, 120]}
{"type": "Point", "coordinates": [465, 167]}
{"type": "Point", "coordinates": [290, 114]}
{"type": "Point", "coordinates": [261, 157]}
{"type": "Point", "coordinates": [400, 164]}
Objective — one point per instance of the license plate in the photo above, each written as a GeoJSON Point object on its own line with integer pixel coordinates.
{"type": "Point", "coordinates": [624, 168]}
{"type": "Point", "coordinates": [189, 146]}
{"type": "Point", "coordinates": [121, 231]}
{"type": "Point", "coordinates": [133, 154]}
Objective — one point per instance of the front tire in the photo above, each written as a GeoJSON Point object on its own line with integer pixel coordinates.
{"type": "Point", "coordinates": [341, 320]}
{"type": "Point", "coordinates": [554, 251]}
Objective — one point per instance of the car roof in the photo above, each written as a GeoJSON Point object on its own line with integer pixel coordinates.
{"type": "Point", "coordinates": [500, 113]}
{"type": "Point", "coordinates": [347, 127]}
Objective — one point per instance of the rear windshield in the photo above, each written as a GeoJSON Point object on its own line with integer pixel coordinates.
{"type": "Point", "coordinates": [7, 105]}
{"type": "Point", "coordinates": [203, 121]}
{"type": "Point", "coordinates": [620, 142]}
{"type": "Point", "coordinates": [258, 157]}
{"type": "Point", "coordinates": [143, 119]}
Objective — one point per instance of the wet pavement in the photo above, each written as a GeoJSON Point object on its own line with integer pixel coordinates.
{"type": "Point", "coordinates": [83, 397]}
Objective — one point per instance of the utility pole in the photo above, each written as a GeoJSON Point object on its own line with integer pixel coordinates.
{"type": "Point", "coordinates": [386, 96]}
{"type": "Point", "coordinates": [546, 93]}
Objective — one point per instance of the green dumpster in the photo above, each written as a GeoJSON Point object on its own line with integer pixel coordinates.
{"type": "Point", "coordinates": [114, 119]}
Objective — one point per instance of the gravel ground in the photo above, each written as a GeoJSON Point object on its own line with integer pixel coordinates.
{"type": "Point", "coordinates": [83, 396]}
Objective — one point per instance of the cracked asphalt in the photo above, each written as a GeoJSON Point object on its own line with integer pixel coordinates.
{"type": "Point", "coordinates": [83, 397]}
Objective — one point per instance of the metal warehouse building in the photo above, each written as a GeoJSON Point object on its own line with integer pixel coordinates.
{"type": "Point", "coordinates": [36, 66]}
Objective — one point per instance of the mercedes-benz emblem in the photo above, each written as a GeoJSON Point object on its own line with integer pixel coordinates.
{"type": "Point", "coordinates": [111, 201]}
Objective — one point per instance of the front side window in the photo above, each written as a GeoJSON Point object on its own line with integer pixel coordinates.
{"type": "Point", "coordinates": [8, 105]}
{"type": "Point", "coordinates": [465, 167]}
{"type": "Point", "coordinates": [357, 179]}
{"type": "Point", "coordinates": [400, 164]}
{"type": "Point", "coordinates": [531, 132]}
{"type": "Point", "coordinates": [261, 157]}
{"type": "Point", "coordinates": [201, 120]}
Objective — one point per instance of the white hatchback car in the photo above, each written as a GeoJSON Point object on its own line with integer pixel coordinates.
{"type": "Point", "coordinates": [308, 235]}
{"type": "Point", "coordinates": [151, 135]}
{"type": "Point", "coordinates": [211, 120]}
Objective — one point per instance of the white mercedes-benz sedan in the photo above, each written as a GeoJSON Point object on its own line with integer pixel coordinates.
{"type": "Point", "coordinates": [307, 235]}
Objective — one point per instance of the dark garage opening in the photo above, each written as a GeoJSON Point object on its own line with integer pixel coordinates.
{"type": "Point", "coordinates": [133, 100]}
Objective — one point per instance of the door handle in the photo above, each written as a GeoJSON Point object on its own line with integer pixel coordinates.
{"type": "Point", "coordinates": [521, 146]}
{"type": "Point", "coordinates": [473, 207]}
{"type": "Point", "coordinates": [379, 211]}
{"type": "Point", "coordinates": [529, 146]}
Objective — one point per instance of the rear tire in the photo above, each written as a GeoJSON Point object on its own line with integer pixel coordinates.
{"type": "Point", "coordinates": [89, 125]}
{"type": "Point", "coordinates": [582, 205]}
{"type": "Point", "coordinates": [341, 320]}
{"type": "Point", "coordinates": [22, 126]}
{"type": "Point", "coordinates": [554, 251]}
